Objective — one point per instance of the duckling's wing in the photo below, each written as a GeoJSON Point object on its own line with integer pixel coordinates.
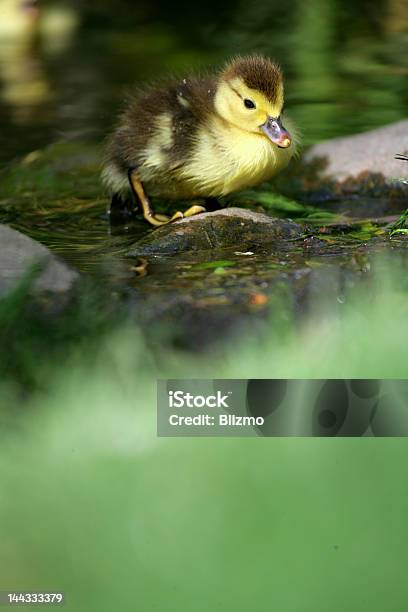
{"type": "Point", "coordinates": [161, 122]}
{"type": "Point", "coordinates": [192, 101]}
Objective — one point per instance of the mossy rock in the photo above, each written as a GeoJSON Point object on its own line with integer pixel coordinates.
{"type": "Point", "coordinates": [229, 227]}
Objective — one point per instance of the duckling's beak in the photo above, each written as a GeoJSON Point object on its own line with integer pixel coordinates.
{"type": "Point", "coordinates": [275, 131]}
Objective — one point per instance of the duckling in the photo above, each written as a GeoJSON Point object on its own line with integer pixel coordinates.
{"type": "Point", "coordinates": [200, 137]}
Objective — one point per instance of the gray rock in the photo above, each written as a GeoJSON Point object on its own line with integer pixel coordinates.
{"type": "Point", "coordinates": [372, 151]}
{"type": "Point", "coordinates": [223, 228]}
{"type": "Point", "coordinates": [19, 253]}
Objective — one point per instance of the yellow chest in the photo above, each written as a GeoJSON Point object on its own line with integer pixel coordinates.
{"type": "Point", "coordinates": [227, 159]}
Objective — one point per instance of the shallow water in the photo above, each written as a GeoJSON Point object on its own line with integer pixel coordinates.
{"type": "Point", "coordinates": [345, 70]}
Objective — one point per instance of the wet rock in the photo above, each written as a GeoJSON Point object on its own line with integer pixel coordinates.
{"type": "Point", "coordinates": [370, 152]}
{"type": "Point", "coordinates": [19, 254]}
{"type": "Point", "coordinates": [224, 228]}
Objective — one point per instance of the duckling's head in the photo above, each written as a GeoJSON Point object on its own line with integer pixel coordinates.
{"type": "Point", "coordinates": [249, 96]}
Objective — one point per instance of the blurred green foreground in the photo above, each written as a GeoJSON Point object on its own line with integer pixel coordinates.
{"type": "Point", "coordinates": [95, 505]}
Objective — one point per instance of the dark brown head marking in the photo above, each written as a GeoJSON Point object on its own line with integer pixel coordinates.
{"type": "Point", "coordinates": [257, 72]}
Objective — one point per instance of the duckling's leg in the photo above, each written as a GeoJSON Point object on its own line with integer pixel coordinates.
{"type": "Point", "coordinates": [149, 215]}
{"type": "Point", "coordinates": [141, 196]}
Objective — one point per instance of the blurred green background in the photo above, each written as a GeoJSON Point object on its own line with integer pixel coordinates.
{"type": "Point", "coordinates": [91, 501]}
{"type": "Point", "coordinates": [64, 68]}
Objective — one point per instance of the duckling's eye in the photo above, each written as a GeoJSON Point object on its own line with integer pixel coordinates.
{"type": "Point", "coordinates": [249, 104]}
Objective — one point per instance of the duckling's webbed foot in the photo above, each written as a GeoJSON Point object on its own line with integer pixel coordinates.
{"type": "Point", "coordinates": [194, 210]}
{"type": "Point", "coordinates": [149, 215]}
{"type": "Point", "coordinates": [158, 219]}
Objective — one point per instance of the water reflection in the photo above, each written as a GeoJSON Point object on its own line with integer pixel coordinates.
{"type": "Point", "coordinates": [30, 34]}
